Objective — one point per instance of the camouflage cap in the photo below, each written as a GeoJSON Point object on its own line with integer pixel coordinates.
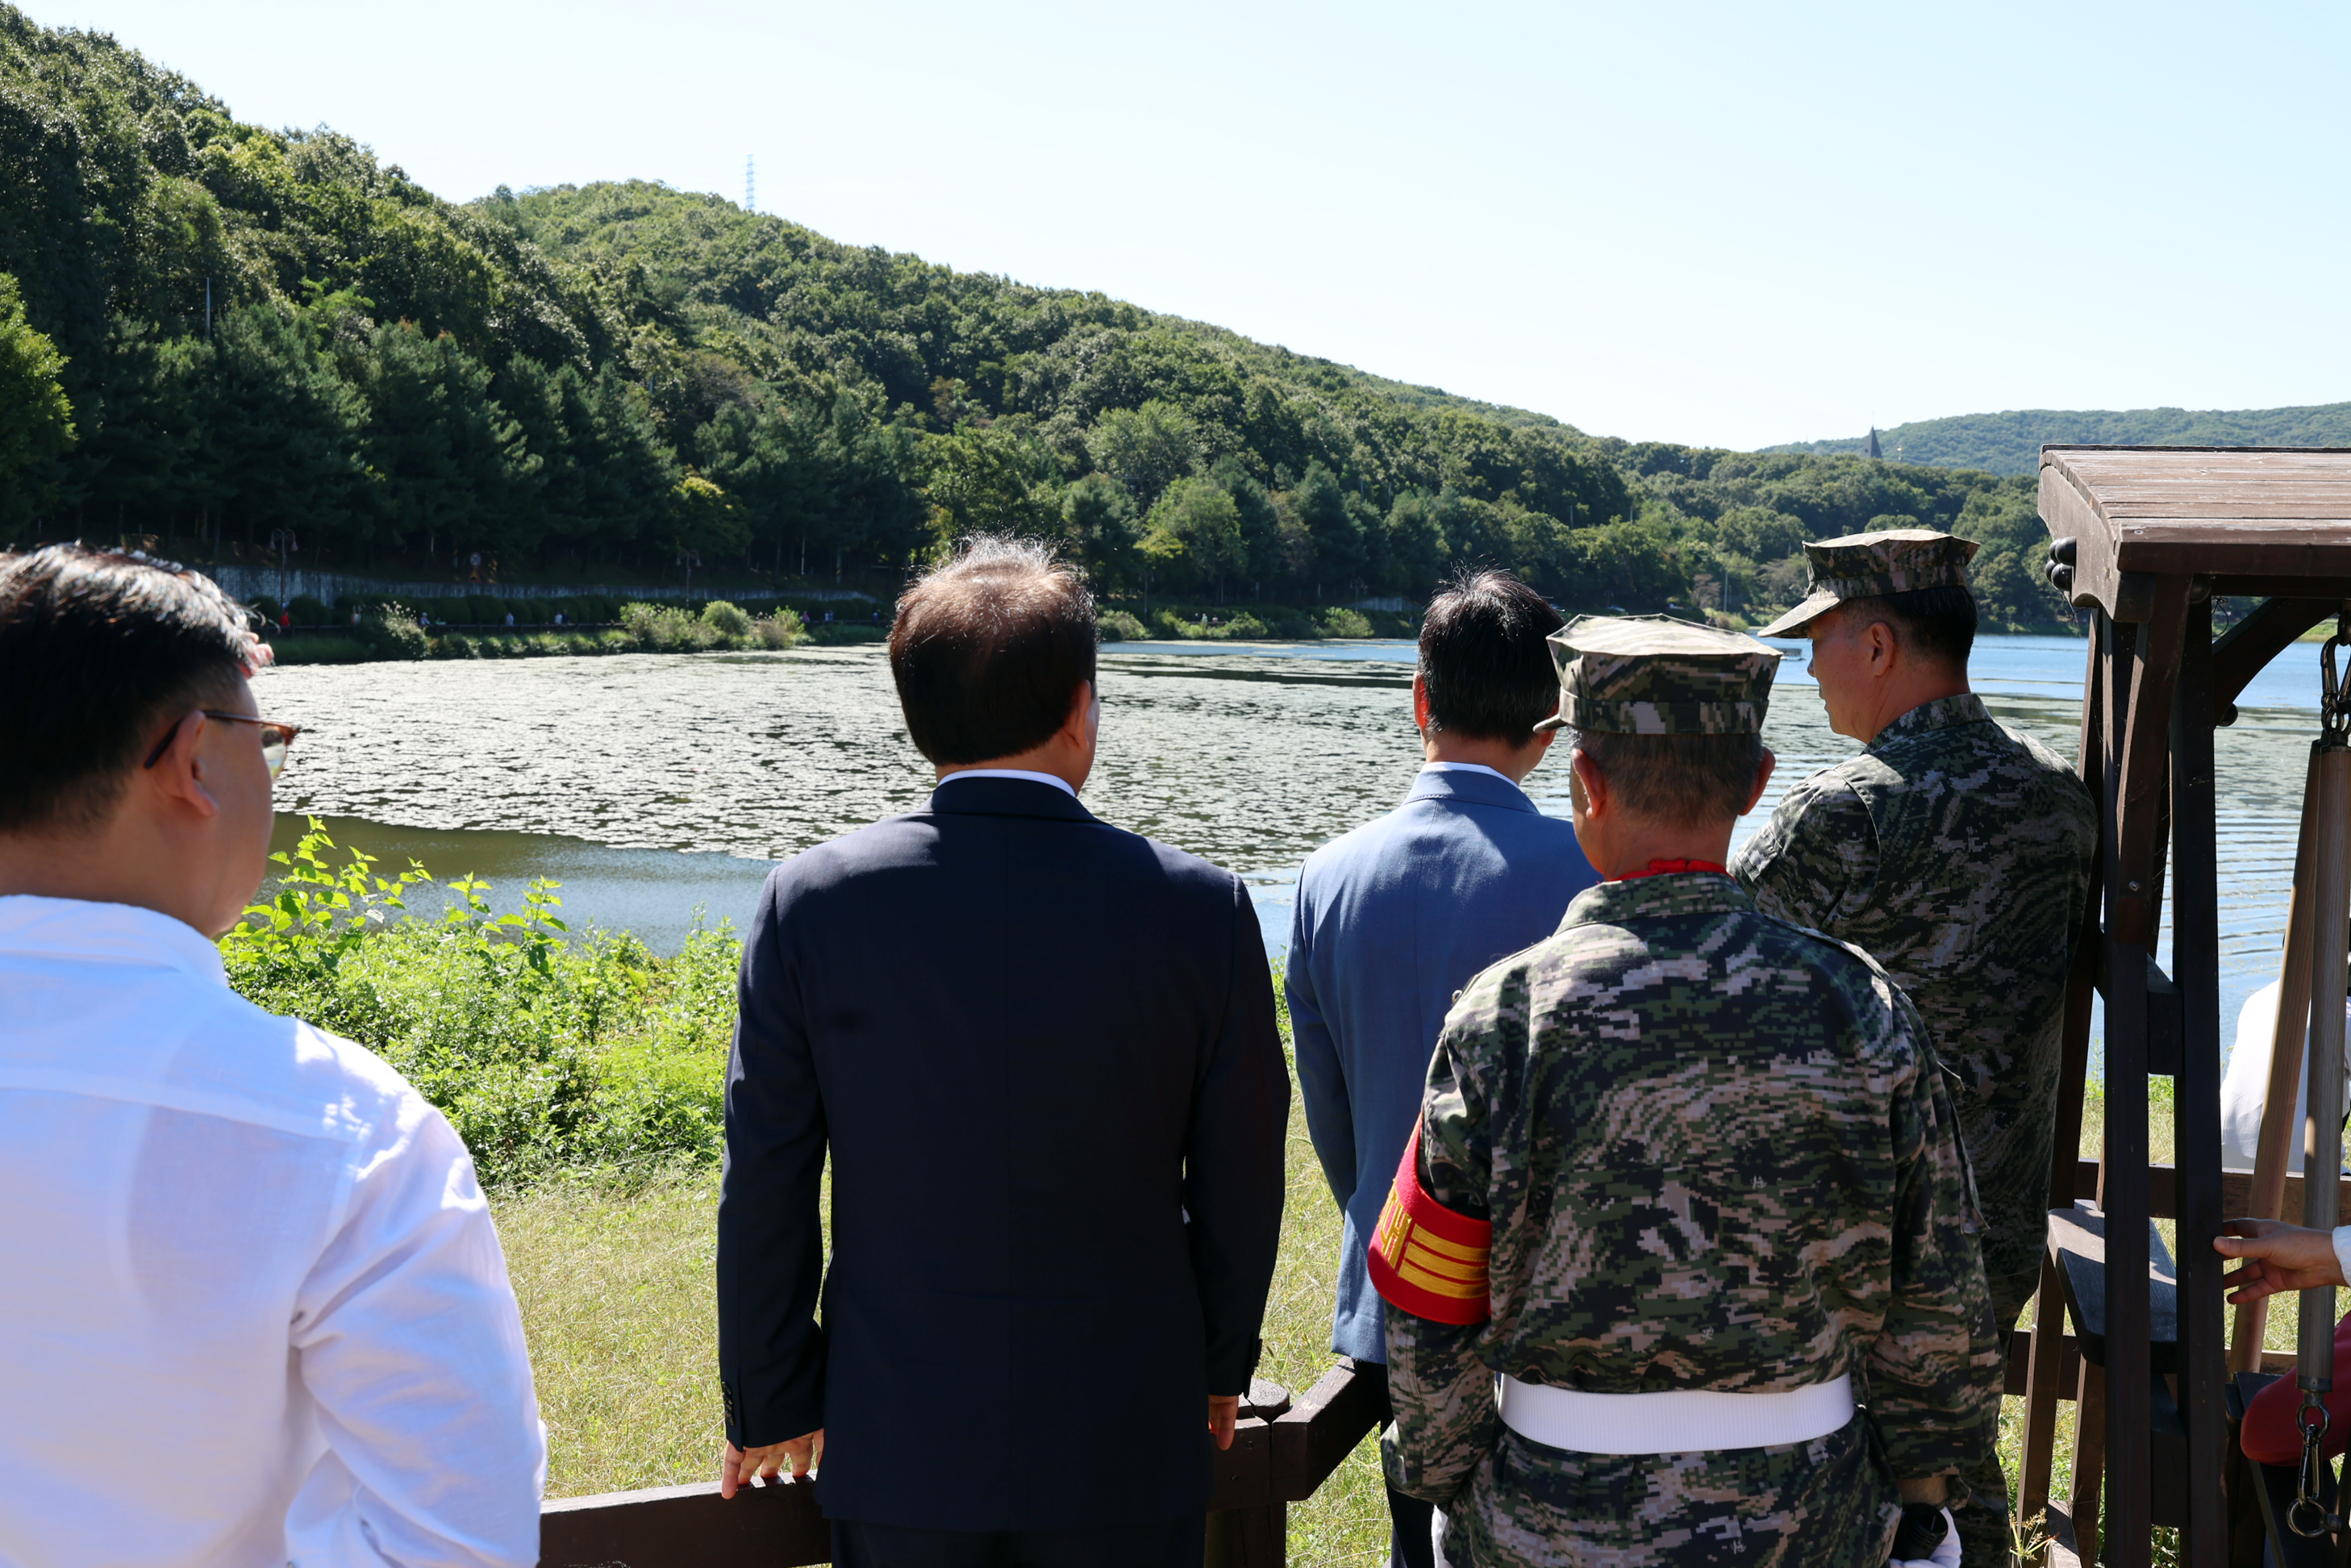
{"type": "Point", "coordinates": [1864, 566]}
{"type": "Point", "coordinates": [1638, 674]}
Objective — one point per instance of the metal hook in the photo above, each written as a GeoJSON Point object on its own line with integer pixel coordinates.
{"type": "Point", "coordinates": [2334, 699]}
{"type": "Point", "coordinates": [2312, 1420]}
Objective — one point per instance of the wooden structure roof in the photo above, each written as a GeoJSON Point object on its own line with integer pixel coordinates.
{"type": "Point", "coordinates": [2268, 519]}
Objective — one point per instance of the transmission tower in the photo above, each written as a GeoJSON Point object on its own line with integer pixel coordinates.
{"type": "Point", "coordinates": [750, 199]}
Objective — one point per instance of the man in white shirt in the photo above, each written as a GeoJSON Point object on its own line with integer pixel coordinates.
{"type": "Point", "coordinates": [251, 1308]}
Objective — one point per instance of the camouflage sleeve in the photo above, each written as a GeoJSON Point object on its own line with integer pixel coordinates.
{"type": "Point", "coordinates": [1815, 861]}
{"type": "Point", "coordinates": [1934, 1373]}
{"type": "Point", "coordinates": [1442, 1394]}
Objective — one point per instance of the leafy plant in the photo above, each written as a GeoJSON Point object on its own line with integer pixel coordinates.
{"type": "Point", "coordinates": [546, 1052]}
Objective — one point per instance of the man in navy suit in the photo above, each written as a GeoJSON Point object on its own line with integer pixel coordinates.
{"type": "Point", "coordinates": [1041, 1054]}
{"type": "Point", "coordinates": [1393, 919]}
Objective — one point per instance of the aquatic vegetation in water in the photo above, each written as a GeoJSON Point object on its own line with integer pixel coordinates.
{"type": "Point", "coordinates": [545, 1050]}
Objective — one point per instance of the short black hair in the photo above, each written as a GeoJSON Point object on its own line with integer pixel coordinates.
{"type": "Point", "coordinates": [1483, 660]}
{"type": "Point", "coordinates": [989, 649]}
{"type": "Point", "coordinates": [95, 647]}
{"type": "Point", "coordinates": [1680, 779]}
{"type": "Point", "coordinates": [1938, 625]}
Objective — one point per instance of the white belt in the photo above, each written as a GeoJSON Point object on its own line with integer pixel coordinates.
{"type": "Point", "coordinates": [1682, 1421]}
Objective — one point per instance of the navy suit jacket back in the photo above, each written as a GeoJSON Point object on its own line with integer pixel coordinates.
{"type": "Point", "coordinates": [1041, 1054]}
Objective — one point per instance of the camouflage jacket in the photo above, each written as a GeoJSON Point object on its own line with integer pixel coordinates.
{"type": "Point", "coordinates": [1716, 1154]}
{"type": "Point", "coordinates": [1956, 853]}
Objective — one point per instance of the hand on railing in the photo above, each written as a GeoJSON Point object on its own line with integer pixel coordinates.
{"type": "Point", "coordinates": [2277, 1257]}
{"type": "Point", "coordinates": [1224, 1412]}
{"type": "Point", "coordinates": [738, 1468]}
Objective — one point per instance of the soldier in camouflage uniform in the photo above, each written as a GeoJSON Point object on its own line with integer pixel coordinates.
{"type": "Point", "coordinates": [1956, 853]}
{"type": "Point", "coordinates": [1687, 1175]}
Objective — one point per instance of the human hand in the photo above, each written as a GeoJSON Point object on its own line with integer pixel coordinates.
{"type": "Point", "coordinates": [1224, 1414]}
{"type": "Point", "coordinates": [2276, 1257]}
{"type": "Point", "coordinates": [738, 1468]}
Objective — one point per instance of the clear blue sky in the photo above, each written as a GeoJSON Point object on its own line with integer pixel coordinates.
{"type": "Point", "coordinates": [1731, 223]}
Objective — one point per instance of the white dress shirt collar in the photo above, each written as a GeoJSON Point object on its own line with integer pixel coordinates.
{"type": "Point", "coordinates": [107, 933]}
{"type": "Point", "coordinates": [1468, 768]}
{"type": "Point", "coordinates": [1055, 779]}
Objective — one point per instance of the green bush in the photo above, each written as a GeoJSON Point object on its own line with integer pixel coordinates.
{"type": "Point", "coordinates": [782, 629]}
{"type": "Point", "coordinates": [320, 651]}
{"type": "Point", "coordinates": [310, 610]}
{"type": "Point", "coordinates": [266, 608]}
{"type": "Point", "coordinates": [726, 619]}
{"type": "Point", "coordinates": [1245, 626]}
{"type": "Point", "coordinates": [545, 1052]}
{"type": "Point", "coordinates": [1118, 626]}
{"type": "Point", "coordinates": [1342, 622]}
{"type": "Point", "coordinates": [391, 632]}
{"type": "Point", "coordinates": [666, 628]}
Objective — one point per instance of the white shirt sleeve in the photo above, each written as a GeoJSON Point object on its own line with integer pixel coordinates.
{"type": "Point", "coordinates": [2342, 1250]}
{"type": "Point", "coordinates": [408, 1339]}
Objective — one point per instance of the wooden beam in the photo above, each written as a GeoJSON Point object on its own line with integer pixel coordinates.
{"type": "Point", "coordinates": [1282, 1451]}
{"type": "Point", "coordinates": [773, 1526]}
{"type": "Point", "coordinates": [2246, 648]}
{"type": "Point", "coordinates": [1323, 1427]}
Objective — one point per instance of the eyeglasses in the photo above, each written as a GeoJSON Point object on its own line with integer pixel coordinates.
{"type": "Point", "coordinates": [275, 739]}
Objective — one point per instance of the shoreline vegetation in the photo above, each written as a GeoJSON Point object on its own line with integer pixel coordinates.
{"type": "Point", "coordinates": [359, 629]}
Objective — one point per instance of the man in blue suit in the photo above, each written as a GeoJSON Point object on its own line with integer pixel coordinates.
{"type": "Point", "coordinates": [1040, 1054]}
{"type": "Point", "coordinates": [1393, 919]}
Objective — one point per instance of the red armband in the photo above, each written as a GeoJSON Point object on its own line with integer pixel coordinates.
{"type": "Point", "coordinates": [1425, 1258]}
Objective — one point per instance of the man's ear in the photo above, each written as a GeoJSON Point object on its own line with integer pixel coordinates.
{"type": "Point", "coordinates": [1420, 702]}
{"type": "Point", "coordinates": [178, 776]}
{"type": "Point", "coordinates": [1592, 782]}
{"type": "Point", "coordinates": [1762, 779]}
{"type": "Point", "coordinates": [1884, 647]}
{"type": "Point", "coordinates": [1082, 705]}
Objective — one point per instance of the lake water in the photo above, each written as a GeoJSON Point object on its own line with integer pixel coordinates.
{"type": "Point", "coordinates": [661, 789]}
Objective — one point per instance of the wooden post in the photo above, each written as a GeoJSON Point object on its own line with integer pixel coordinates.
{"type": "Point", "coordinates": [2141, 777]}
{"type": "Point", "coordinates": [2195, 962]}
{"type": "Point", "coordinates": [2279, 1134]}
{"type": "Point", "coordinates": [2044, 1369]}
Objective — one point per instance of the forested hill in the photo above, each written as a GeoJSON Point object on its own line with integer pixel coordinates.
{"type": "Point", "coordinates": [2010, 442]}
{"type": "Point", "coordinates": [240, 341]}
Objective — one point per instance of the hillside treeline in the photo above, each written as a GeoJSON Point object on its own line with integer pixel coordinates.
{"type": "Point", "coordinates": [213, 332]}
{"type": "Point", "coordinates": [2010, 442]}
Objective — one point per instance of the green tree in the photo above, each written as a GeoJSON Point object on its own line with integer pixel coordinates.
{"type": "Point", "coordinates": [992, 478]}
{"type": "Point", "coordinates": [453, 466]}
{"type": "Point", "coordinates": [1098, 522]}
{"type": "Point", "coordinates": [706, 525]}
{"type": "Point", "coordinates": [1194, 535]}
{"type": "Point", "coordinates": [1146, 449]}
{"type": "Point", "coordinates": [36, 418]}
{"type": "Point", "coordinates": [1333, 534]}
{"type": "Point", "coordinates": [283, 443]}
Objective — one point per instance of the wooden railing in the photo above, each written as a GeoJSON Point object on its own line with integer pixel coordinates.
{"type": "Point", "coordinates": [1282, 1450]}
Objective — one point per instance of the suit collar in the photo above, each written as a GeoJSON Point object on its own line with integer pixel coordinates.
{"type": "Point", "coordinates": [959, 796]}
{"type": "Point", "coordinates": [1470, 789]}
